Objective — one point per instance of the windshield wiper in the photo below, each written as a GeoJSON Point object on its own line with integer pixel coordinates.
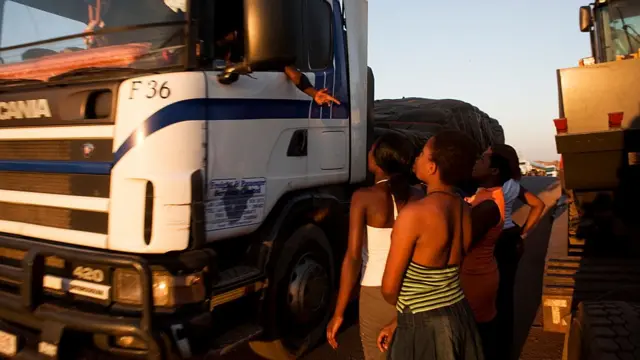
{"type": "Point", "coordinates": [97, 70]}
{"type": "Point", "coordinates": [626, 28]}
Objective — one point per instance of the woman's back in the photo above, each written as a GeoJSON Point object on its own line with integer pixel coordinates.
{"type": "Point", "coordinates": [511, 190]}
{"type": "Point", "coordinates": [381, 213]}
{"type": "Point", "coordinates": [480, 259]}
{"type": "Point", "coordinates": [432, 278]}
{"type": "Point", "coordinates": [447, 231]}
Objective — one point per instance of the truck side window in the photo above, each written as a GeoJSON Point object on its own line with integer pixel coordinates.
{"type": "Point", "coordinates": [319, 34]}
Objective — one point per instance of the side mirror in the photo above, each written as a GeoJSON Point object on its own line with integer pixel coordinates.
{"type": "Point", "coordinates": [270, 37]}
{"type": "Point", "coordinates": [270, 33]}
{"type": "Point", "coordinates": [585, 19]}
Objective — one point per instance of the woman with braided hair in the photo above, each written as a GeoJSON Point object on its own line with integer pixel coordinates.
{"type": "Point", "coordinates": [373, 213]}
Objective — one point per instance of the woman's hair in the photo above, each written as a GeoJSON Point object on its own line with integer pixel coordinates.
{"type": "Point", "coordinates": [393, 153]}
{"type": "Point", "coordinates": [509, 153]}
{"type": "Point", "coordinates": [455, 154]}
{"type": "Point", "coordinates": [500, 162]}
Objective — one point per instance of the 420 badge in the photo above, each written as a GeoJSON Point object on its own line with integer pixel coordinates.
{"type": "Point", "coordinates": [235, 202]}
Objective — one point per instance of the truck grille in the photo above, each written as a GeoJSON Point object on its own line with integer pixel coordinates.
{"type": "Point", "coordinates": [61, 184]}
{"type": "Point", "coordinates": [62, 218]}
{"type": "Point", "coordinates": [63, 156]}
{"type": "Point", "coordinates": [55, 150]}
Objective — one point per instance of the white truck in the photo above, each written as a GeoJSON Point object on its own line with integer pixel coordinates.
{"type": "Point", "coordinates": [166, 195]}
{"type": "Point", "coordinates": [145, 191]}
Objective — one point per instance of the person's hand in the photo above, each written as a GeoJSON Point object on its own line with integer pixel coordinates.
{"type": "Point", "coordinates": [94, 25]}
{"type": "Point", "coordinates": [321, 97]}
{"type": "Point", "coordinates": [385, 336]}
{"type": "Point", "coordinates": [332, 330]}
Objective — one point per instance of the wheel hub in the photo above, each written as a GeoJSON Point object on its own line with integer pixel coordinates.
{"type": "Point", "coordinates": [308, 288]}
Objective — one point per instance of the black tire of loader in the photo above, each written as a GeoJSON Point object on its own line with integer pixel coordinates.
{"type": "Point", "coordinates": [605, 330]}
{"type": "Point", "coordinates": [307, 239]}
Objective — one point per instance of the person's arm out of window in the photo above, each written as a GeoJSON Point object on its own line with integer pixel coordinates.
{"type": "Point", "coordinates": [484, 216]}
{"type": "Point", "coordinates": [537, 209]}
{"type": "Point", "coordinates": [403, 241]}
{"type": "Point", "coordinates": [301, 81]}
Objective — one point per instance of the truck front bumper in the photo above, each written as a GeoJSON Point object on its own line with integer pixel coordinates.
{"type": "Point", "coordinates": [28, 311]}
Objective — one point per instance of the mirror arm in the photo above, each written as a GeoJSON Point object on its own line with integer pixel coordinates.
{"type": "Point", "coordinates": [232, 73]}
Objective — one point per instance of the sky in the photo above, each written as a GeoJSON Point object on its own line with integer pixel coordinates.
{"type": "Point", "coordinates": [500, 55]}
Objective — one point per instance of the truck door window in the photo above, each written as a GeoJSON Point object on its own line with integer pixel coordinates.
{"type": "Point", "coordinates": [319, 34]}
{"type": "Point", "coordinates": [228, 30]}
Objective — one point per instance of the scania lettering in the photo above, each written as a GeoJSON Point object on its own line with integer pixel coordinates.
{"type": "Point", "coordinates": [165, 197]}
{"type": "Point", "coordinates": [29, 109]}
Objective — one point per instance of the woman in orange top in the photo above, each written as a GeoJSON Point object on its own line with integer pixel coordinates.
{"type": "Point", "coordinates": [479, 272]}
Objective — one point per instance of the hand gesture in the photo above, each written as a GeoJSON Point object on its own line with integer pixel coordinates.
{"type": "Point", "coordinates": [332, 330]}
{"type": "Point", "coordinates": [322, 98]}
{"type": "Point", "coordinates": [385, 336]}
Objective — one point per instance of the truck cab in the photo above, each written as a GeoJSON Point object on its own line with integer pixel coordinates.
{"type": "Point", "coordinates": [614, 28]}
{"type": "Point", "coordinates": [164, 194]}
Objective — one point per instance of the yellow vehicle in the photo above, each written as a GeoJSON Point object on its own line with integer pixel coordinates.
{"type": "Point", "coordinates": [592, 291]}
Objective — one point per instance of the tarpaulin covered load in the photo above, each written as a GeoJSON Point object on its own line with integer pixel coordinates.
{"type": "Point", "coordinates": [421, 118]}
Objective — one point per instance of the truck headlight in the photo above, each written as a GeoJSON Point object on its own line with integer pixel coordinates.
{"type": "Point", "coordinates": [168, 290]}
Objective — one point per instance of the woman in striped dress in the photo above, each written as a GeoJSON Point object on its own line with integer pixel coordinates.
{"type": "Point", "coordinates": [421, 278]}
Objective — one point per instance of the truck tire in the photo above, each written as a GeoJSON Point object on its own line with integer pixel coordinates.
{"type": "Point", "coordinates": [605, 330]}
{"type": "Point", "coordinates": [300, 297]}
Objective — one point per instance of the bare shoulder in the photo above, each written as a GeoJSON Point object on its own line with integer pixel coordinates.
{"type": "Point", "coordinates": [423, 209]}
{"type": "Point", "coordinates": [359, 197]}
{"type": "Point", "coordinates": [364, 195]}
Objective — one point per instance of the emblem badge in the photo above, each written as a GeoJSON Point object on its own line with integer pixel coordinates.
{"type": "Point", "coordinates": [87, 150]}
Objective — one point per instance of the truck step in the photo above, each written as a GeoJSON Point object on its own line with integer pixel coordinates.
{"type": "Point", "coordinates": [235, 277]}
{"type": "Point", "coordinates": [235, 283]}
{"type": "Point", "coordinates": [576, 246]}
{"type": "Point", "coordinates": [233, 338]}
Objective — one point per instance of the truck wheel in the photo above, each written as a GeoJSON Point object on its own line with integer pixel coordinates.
{"type": "Point", "coordinates": [605, 330]}
{"type": "Point", "coordinates": [300, 296]}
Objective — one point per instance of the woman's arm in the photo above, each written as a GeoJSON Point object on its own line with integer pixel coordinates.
{"type": "Point", "coordinates": [484, 216]}
{"type": "Point", "coordinates": [537, 208]}
{"type": "Point", "coordinates": [403, 241]}
{"type": "Point", "coordinates": [353, 257]}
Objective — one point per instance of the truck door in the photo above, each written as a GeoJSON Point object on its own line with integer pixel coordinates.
{"type": "Point", "coordinates": [328, 151]}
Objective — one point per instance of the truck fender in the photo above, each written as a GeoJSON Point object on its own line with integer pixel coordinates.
{"type": "Point", "coordinates": [292, 212]}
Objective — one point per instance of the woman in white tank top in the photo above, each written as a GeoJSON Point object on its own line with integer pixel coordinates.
{"type": "Point", "coordinates": [372, 215]}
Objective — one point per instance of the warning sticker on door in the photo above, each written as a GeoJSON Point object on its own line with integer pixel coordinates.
{"type": "Point", "coordinates": [235, 202]}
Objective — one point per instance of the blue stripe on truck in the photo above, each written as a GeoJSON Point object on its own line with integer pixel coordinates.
{"type": "Point", "coordinates": [66, 167]}
{"type": "Point", "coordinates": [216, 110]}
{"type": "Point", "coordinates": [195, 109]}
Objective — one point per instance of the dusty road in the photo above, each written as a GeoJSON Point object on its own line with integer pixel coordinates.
{"type": "Point", "coordinates": [531, 341]}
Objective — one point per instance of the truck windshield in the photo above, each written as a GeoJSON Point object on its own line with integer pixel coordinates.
{"type": "Point", "coordinates": [619, 28]}
{"type": "Point", "coordinates": [127, 34]}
